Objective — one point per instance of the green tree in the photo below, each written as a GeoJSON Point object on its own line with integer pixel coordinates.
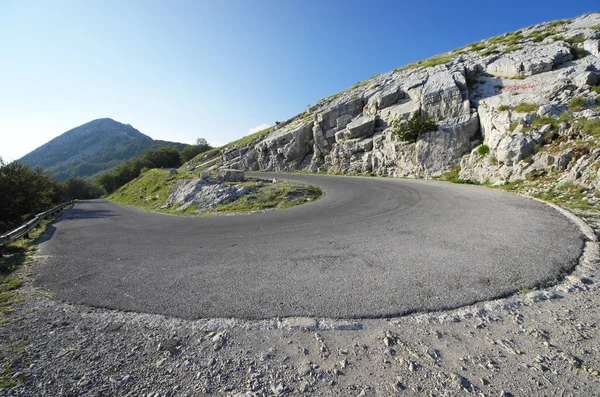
{"type": "Point", "coordinates": [78, 188]}
{"type": "Point", "coordinates": [189, 152]}
{"type": "Point", "coordinates": [25, 192]}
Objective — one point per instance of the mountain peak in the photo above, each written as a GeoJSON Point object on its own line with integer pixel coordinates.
{"type": "Point", "coordinates": [92, 147]}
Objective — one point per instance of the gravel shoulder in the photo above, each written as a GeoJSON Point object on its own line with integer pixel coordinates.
{"type": "Point", "coordinates": [533, 343]}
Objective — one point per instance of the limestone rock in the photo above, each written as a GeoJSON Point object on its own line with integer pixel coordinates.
{"type": "Point", "coordinates": [231, 175]}
{"type": "Point", "coordinates": [592, 46]}
{"type": "Point", "coordinates": [530, 61]}
{"type": "Point", "coordinates": [362, 126]}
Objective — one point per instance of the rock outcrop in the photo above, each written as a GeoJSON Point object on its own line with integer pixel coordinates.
{"type": "Point", "coordinates": [503, 109]}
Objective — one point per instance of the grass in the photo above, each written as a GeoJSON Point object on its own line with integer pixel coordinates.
{"type": "Point", "coordinates": [278, 195]}
{"type": "Point", "coordinates": [17, 254]}
{"type": "Point", "coordinates": [567, 195]}
{"type": "Point", "coordinates": [248, 139]}
{"type": "Point", "coordinates": [150, 190]}
{"type": "Point", "coordinates": [589, 127]}
{"type": "Point", "coordinates": [513, 126]}
{"type": "Point", "coordinates": [577, 104]}
{"type": "Point", "coordinates": [503, 108]}
{"type": "Point", "coordinates": [555, 24]}
{"type": "Point", "coordinates": [526, 107]}
{"type": "Point", "coordinates": [595, 27]}
{"type": "Point", "coordinates": [512, 48]}
{"type": "Point", "coordinates": [565, 117]}
{"type": "Point", "coordinates": [452, 175]}
{"type": "Point", "coordinates": [576, 39]}
{"type": "Point", "coordinates": [578, 53]}
{"type": "Point", "coordinates": [7, 381]}
{"type": "Point", "coordinates": [428, 63]}
{"type": "Point", "coordinates": [596, 89]}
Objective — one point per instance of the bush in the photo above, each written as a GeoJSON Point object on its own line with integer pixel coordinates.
{"type": "Point", "coordinates": [483, 150]}
{"type": "Point", "coordinates": [578, 53]}
{"type": "Point", "coordinates": [410, 130]}
{"type": "Point", "coordinates": [189, 152]}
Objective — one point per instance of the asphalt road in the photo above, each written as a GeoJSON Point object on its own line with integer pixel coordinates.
{"type": "Point", "coordinates": [371, 247]}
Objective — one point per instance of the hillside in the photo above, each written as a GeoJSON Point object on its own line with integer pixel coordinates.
{"type": "Point", "coordinates": [93, 147]}
{"type": "Point", "coordinates": [520, 108]}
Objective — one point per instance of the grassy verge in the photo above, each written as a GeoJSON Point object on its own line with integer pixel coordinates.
{"type": "Point", "coordinates": [150, 191]}
{"type": "Point", "coordinates": [273, 196]}
{"type": "Point", "coordinates": [566, 195]}
{"type": "Point", "coordinates": [16, 255]}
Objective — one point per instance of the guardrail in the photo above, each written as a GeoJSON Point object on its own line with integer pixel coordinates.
{"type": "Point", "coordinates": [27, 227]}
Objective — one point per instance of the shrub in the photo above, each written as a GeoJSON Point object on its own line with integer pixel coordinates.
{"type": "Point", "coordinates": [483, 150]}
{"type": "Point", "coordinates": [576, 39]}
{"type": "Point", "coordinates": [577, 52]}
{"type": "Point", "coordinates": [410, 130]}
{"type": "Point", "coordinates": [189, 152]}
{"type": "Point", "coordinates": [526, 107]}
{"type": "Point", "coordinates": [471, 82]}
{"type": "Point", "coordinates": [577, 104]}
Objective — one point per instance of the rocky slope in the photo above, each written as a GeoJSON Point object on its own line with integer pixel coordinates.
{"type": "Point", "coordinates": [92, 147]}
{"type": "Point", "coordinates": [516, 105]}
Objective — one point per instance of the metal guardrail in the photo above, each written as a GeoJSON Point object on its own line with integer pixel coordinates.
{"type": "Point", "coordinates": [32, 224]}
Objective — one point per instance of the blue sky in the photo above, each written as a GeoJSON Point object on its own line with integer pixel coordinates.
{"type": "Point", "coordinates": [178, 70]}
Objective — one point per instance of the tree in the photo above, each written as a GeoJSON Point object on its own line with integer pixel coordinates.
{"type": "Point", "coordinates": [202, 142]}
{"type": "Point", "coordinates": [189, 152]}
{"type": "Point", "coordinates": [78, 188]}
{"type": "Point", "coordinates": [25, 193]}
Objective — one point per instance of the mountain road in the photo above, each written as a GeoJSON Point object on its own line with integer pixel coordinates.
{"type": "Point", "coordinates": [371, 247]}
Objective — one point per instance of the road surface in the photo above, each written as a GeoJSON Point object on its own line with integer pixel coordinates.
{"type": "Point", "coordinates": [372, 247]}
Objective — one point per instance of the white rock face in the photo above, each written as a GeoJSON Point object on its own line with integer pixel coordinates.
{"type": "Point", "coordinates": [473, 99]}
{"type": "Point", "coordinates": [592, 46]}
{"type": "Point", "coordinates": [530, 61]}
{"type": "Point", "coordinates": [203, 194]}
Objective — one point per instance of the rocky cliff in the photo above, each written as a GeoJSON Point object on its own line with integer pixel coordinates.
{"type": "Point", "coordinates": [516, 105]}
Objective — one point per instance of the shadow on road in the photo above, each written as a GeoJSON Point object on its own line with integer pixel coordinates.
{"type": "Point", "coordinates": [82, 213]}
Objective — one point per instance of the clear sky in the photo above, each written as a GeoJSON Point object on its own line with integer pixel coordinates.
{"type": "Point", "coordinates": [178, 70]}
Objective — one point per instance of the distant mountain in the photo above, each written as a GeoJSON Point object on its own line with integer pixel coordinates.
{"type": "Point", "coordinates": [92, 148]}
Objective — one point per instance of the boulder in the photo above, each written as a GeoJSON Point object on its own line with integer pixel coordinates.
{"type": "Point", "coordinates": [229, 175]}
{"type": "Point", "coordinates": [441, 97]}
{"type": "Point", "coordinates": [592, 46]}
{"type": "Point", "coordinates": [529, 61]}
{"type": "Point", "coordinates": [362, 126]}
{"type": "Point", "coordinates": [436, 151]}
{"type": "Point", "coordinates": [514, 148]}
{"type": "Point", "coordinates": [382, 100]}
